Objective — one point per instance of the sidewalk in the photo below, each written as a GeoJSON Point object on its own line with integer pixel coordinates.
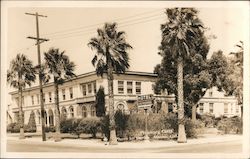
{"type": "Point", "coordinates": [97, 143]}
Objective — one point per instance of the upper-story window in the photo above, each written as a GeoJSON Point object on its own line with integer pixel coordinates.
{"type": "Point", "coordinates": [211, 107]}
{"type": "Point", "coordinates": [37, 97]}
{"type": "Point", "coordinates": [50, 97]}
{"type": "Point", "coordinates": [84, 89]}
{"type": "Point", "coordinates": [120, 87]}
{"type": "Point", "coordinates": [210, 93]}
{"type": "Point", "coordinates": [237, 109]}
{"type": "Point", "coordinates": [71, 93]}
{"type": "Point", "coordinates": [63, 94]}
{"type": "Point", "coordinates": [32, 100]}
{"type": "Point", "coordinates": [201, 107]}
{"type": "Point", "coordinates": [94, 87]}
{"type": "Point", "coordinates": [225, 107]}
{"type": "Point", "coordinates": [44, 97]}
{"type": "Point", "coordinates": [89, 88]}
{"type": "Point", "coordinates": [130, 87]}
{"type": "Point", "coordinates": [138, 87]}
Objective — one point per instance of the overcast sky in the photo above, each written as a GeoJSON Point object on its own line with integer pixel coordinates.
{"type": "Point", "coordinates": [70, 29]}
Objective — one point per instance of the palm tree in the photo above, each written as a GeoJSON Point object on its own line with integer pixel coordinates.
{"type": "Point", "coordinates": [178, 34]}
{"type": "Point", "coordinates": [20, 74]}
{"type": "Point", "coordinates": [111, 57]}
{"type": "Point", "coordinates": [61, 68]}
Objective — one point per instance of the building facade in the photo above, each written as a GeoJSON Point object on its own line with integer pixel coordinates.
{"type": "Point", "coordinates": [77, 98]}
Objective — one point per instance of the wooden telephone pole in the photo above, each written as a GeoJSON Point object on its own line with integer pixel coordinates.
{"type": "Point", "coordinates": [38, 42]}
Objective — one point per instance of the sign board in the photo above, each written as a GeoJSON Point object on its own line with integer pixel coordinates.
{"type": "Point", "coordinates": [144, 101]}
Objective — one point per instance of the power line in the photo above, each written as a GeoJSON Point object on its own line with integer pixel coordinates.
{"type": "Point", "coordinates": [98, 24]}
{"type": "Point", "coordinates": [94, 31]}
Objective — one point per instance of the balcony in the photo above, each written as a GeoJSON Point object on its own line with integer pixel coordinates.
{"type": "Point", "coordinates": [85, 99]}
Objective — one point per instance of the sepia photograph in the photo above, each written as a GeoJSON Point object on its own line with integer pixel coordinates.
{"type": "Point", "coordinates": [125, 79]}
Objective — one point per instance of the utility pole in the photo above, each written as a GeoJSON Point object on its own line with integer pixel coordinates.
{"type": "Point", "coordinates": [38, 42]}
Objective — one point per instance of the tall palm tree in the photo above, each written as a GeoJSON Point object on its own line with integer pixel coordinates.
{"type": "Point", "coordinates": [111, 57]}
{"type": "Point", "coordinates": [178, 34]}
{"type": "Point", "coordinates": [61, 68]}
{"type": "Point", "coordinates": [20, 74]}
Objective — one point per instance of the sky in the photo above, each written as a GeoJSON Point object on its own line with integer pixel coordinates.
{"type": "Point", "coordinates": [70, 29]}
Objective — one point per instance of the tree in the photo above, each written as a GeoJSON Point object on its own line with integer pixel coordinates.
{"type": "Point", "coordinates": [111, 57]}
{"type": "Point", "coordinates": [61, 68]}
{"type": "Point", "coordinates": [179, 43]}
{"type": "Point", "coordinates": [21, 73]}
{"type": "Point", "coordinates": [100, 102]}
{"type": "Point", "coordinates": [32, 122]}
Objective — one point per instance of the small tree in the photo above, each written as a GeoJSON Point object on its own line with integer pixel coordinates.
{"type": "Point", "coordinates": [32, 122]}
{"type": "Point", "coordinates": [100, 102]}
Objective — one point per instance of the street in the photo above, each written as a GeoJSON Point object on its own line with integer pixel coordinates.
{"type": "Point", "coordinates": [218, 147]}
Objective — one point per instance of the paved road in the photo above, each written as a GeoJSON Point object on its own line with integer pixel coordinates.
{"type": "Point", "coordinates": [219, 147]}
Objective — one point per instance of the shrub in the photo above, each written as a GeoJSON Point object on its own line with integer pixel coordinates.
{"type": "Point", "coordinates": [193, 128]}
{"type": "Point", "coordinates": [230, 125]}
{"type": "Point", "coordinates": [70, 126]}
{"type": "Point", "coordinates": [31, 127]}
{"type": "Point", "coordinates": [105, 126]}
{"type": "Point", "coordinates": [121, 120]}
{"type": "Point", "coordinates": [50, 129]}
{"type": "Point", "coordinates": [209, 120]}
{"type": "Point", "coordinates": [90, 125]}
{"type": "Point", "coordinates": [15, 128]}
{"type": "Point", "coordinates": [136, 123]}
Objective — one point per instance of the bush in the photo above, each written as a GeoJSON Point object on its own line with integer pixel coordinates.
{"type": "Point", "coordinates": [31, 127]}
{"type": "Point", "coordinates": [230, 125]}
{"type": "Point", "coordinates": [121, 120]}
{"type": "Point", "coordinates": [50, 129]}
{"type": "Point", "coordinates": [90, 125]}
{"type": "Point", "coordinates": [71, 126]}
{"type": "Point", "coordinates": [194, 128]}
{"type": "Point", "coordinates": [15, 128]}
{"type": "Point", "coordinates": [208, 120]}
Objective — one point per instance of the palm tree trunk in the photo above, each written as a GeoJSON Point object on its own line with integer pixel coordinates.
{"type": "Point", "coordinates": [112, 139]}
{"type": "Point", "coordinates": [194, 112]}
{"type": "Point", "coordinates": [57, 136]}
{"type": "Point", "coordinates": [21, 113]}
{"type": "Point", "coordinates": [181, 127]}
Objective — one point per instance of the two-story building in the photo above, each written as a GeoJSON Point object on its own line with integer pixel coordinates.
{"type": "Point", "coordinates": [77, 98]}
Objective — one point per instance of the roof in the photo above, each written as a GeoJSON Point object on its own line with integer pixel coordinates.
{"type": "Point", "coordinates": [93, 73]}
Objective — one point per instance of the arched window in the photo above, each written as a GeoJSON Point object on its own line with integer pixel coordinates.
{"type": "Point", "coordinates": [51, 118]}
{"type": "Point", "coordinates": [120, 107]}
{"type": "Point", "coordinates": [84, 111]}
{"type": "Point", "coordinates": [38, 116]}
{"type": "Point", "coordinates": [79, 110]}
{"type": "Point", "coordinates": [64, 113]}
{"type": "Point", "coordinates": [71, 111]}
{"type": "Point", "coordinates": [93, 110]}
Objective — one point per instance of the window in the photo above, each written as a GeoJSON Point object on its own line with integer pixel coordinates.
{"type": "Point", "coordinates": [120, 87]}
{"type": "Point", "coordinates": [94, 87]}
{"type": "Point", "coordinates": [138, 87]}
{"type": "Point", "coordinates": [71, 111]}
{"type": "Point", "coordinates": [201, 108]}
{"type": "Point", "coordinates": [211, 107]}
{"type": "Point", "coordinates": [130, 87]}
{"type": "Point", "coordinates": [89, 88]}
{"type": "Point", "coordinates": [170, 107]}
{"type": "Point", "coordinates": [225, 107]}
{"type": "Point", "coordinates": [210, 93]}
{"type": "Point", "coordinates": [45, 117]}
{"type": "Point", "coordinates": [32, 100]}
{"type": "Point", "coordinates": [84, 90]}
{"type": "Point", "coordinates": [50, 97]}
{"type": "Point", "coordinates": [37, 97]}
{"type": "Point", "coordinates": [84, 111]}
{"type": "Point", "coordinates": [23, 100]}
{"type": "Point", "coordinates": [51, 118]}
{"type": "Point", "coordinates": [44, 97]}
{"type": "Point", "coordinates": [92, 110]}
{"type": "Point", "coordinates": [121, 107]}
{"type": "Point", "coordinates": [71, 93]}
{"type": "Point", "coordinates": [63, 94]}
{"type": "Point", "coordinates": [237, 109]}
